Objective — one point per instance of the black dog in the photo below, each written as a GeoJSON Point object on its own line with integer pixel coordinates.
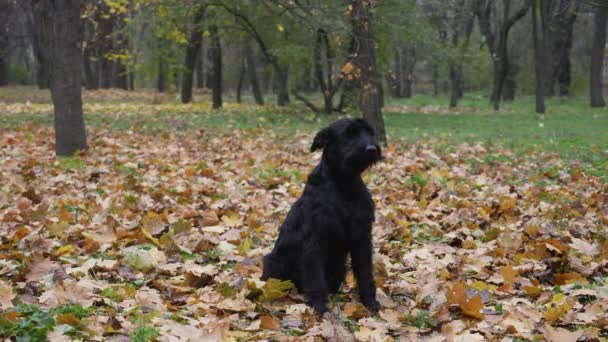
{"type": "Point", "coordinates": [332, 218]}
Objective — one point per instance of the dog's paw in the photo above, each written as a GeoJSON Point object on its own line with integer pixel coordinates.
{"type": "Point", "coordinates": [320, 308]}
{"type": "Point", "coordinates": [372, 305]}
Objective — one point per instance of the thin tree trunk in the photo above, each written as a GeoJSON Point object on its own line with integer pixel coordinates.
{"type": "Point", "coordinates": [253, 74]}
{"type": "Point", "coordinates": [456, 84]}
{"type": "Point", "coordinates": [91, 79]}
{"type": "Point", "coordinates": [200, 67]}
{"type": "Point", "coordinates": [510, 86]}
{"type": "Point", "coordinates": [105, 26]}
{"type": "Point", "coordinates": [597, 56]}
{"type": "Point", "coordinates": [282, 85]}
{"type": "Point", "coordinates": [539, 55]}
{"type": "Point", "coordinates": [194, 46]}
{"type": "Point", "coordinates": [239, 83]}
{"type": "Point", "coordinates": [5, 11]}
{"type": "Point", "coordinates": [216, 60]}
{"type": "Point", "coordinates": [371, 94]}
{"type": "Point", "coordinates": [40, 42]}
{"type": "Point", "coordinates": [62, 21]}
{"type": "Point", "coordinates": [161, 81]}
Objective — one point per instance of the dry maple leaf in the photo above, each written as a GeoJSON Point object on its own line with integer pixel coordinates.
{"type": "Point", "coordinates": [6, 295]}
{"type": "Point", "coordinates": [561, 334]}
{"type": "Point", "coordinates": [150, 299]}
{"type": "Point", "coordinates": [457, 295]}
{"type": "Point", "coordinates": [39, 268]}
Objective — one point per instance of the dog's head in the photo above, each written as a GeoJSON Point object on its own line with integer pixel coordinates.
{"type": "Point", "coordinates": [349, 144]}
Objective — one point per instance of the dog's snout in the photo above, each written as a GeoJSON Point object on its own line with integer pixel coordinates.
{"type": "Point", "coordinates": [371, 148]}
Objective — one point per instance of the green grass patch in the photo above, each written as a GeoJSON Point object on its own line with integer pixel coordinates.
{"type": "Point", "coordinates": [31, 323]}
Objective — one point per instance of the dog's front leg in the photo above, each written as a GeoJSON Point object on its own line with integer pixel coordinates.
{"type": "Point", "coordinates": [361, 257]}
{"type": "Point", "coordinates": [313, 279]}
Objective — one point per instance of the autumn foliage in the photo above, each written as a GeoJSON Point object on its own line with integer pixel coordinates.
{"type": "Point", "coordinates": [160, 236]}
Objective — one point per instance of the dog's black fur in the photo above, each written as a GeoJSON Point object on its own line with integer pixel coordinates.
{"type": "Point", "coordinates": [332, 218]}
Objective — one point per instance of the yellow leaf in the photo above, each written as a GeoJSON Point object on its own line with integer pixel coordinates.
{"type": "Point", "coordinates": [68, 249]}
{"type": "Point", "coordinates": [556, 312]}
{"type": "Point", "coordinates": [457, 295]}
{"type": "Point", "coordinates": [355, 310]}
{"type": "Point", "coordinates": [67, 318]}
{"type": "Point", "coordinates": [280, 27]}
{"type": "Point", "coordinates": [275, 289]}
{"type": "Point", "coordinates": [153, 223]}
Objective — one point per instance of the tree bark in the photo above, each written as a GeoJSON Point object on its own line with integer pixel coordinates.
{"type": "Point", "coordinates": [253, 74]}
{"type": "Point", "coordinates": [41, 45]}
{"type": "Point", "coordinates": [3, 72]}
{"type": "Point", "coordinates": [323, 65]}
{"type": "Point", "coordinates": [91, 75]}
{"type": "Point", "coordinates": [239, 83]}
{"type": "Point", "coordinates": [371, 94]}
{"type": "Point", "coordinates": [596, 91]}
{"type": "Point", "coordinates": [105, 25]}
{"type": "Point", "coordinates": [497, 39]}
{"type": "Point", "coordinates": [62, 22]}
{"type": "Point", "coordinates": [216, 60]}
{"type": "Point", "coordinates": [281, 70]}
{"type": "Point", "coordinates": [200, 67]}
{"type": "Point", "coordinates": [161, 81]}
{"type": "Point", "coordinates": [5, 12]}
{"type": "Point", "coordinates": [120, 44]}
{"type": "Point", "coordinates": [510, 86]}
{"type": "Point", "coordinates": [282, 85]}
{"type": "Point", "coordinates": [194, 46]}
{"type": "Point", "coordinates": [539, 53]}
{"type": "Point", "coordinates": [456, 82]}
{"type": "Point", "coordinates": [559, 35]}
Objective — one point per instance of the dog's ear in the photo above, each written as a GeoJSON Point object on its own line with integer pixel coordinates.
{"type": "Point", "coordinates": [322, 139]}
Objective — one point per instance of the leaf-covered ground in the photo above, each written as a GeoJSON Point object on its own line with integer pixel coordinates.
{"type": "Point", "coordinates": [159, 237]}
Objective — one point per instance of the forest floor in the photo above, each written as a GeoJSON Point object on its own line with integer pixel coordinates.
{"type": "Point", "coordinates": [490, 226]}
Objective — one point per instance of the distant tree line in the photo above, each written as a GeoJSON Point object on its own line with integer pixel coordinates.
{"type": "Point", "coordinates": [328, 54]}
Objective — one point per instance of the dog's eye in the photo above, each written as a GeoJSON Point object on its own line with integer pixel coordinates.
{"type": "Point", "coordinates": [352, 131]}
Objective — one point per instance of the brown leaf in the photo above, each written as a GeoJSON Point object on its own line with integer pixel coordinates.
{"type": "Point", "coordinates": [270, 323]}
{"type": "Point", "coordinates": [6, 295]}
{"type": "Point", "coordinates": [355, 311]}
{"type": "Point", "coordinates": [457, 295]}
{"type": "Point", "coordinates": [39, 268]}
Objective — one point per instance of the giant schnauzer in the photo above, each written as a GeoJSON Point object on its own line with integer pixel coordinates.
{"type": "Point", "coordinates": [332, 218]}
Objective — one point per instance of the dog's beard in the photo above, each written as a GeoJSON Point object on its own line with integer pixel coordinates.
{"type": "Point", "coordinates": [359, 162]}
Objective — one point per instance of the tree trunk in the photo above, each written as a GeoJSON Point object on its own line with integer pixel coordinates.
{"type": "Point", "coordinates": [456, 84]}
{"type": "Point", "coordinates": [5, 12]}
{"type": "Point", "coordinates": [105, 26]}
{"type": "Point", "coordinates": [91, 77]}
{"type": "Point", "coordinates": [239, 83]}
{"type": "Point", "coordinates": [62, 22]}
{"type": "Point", "coordinates": [194, 46]}
{"type": "Point", "coordinates": [408, 65]}
{"type": "Point", "coordinates": [559, 35]}
{"type": "Point", "coordinates": [282, 82]}
{"type": "Point", "coordinates": [253, 75]}
{"type": "Point", "coordinates": [539, 53]}
{"type": "Point", "coordinates": [216, 60]}
{"type": "Point", "coordinates": [323, 65]}
{"type": "Point", "coordinates": [161, 81]}
{"type": "Point", "coordinates": [370, 98]}
{"type": "Point", "coordinates": [121, 80]}
{"type": "Point", "coordinates": [597, 56]}
{"type": "Point", "coordinates": [200, 67]}
{"type": "Point", "coordinates": [121, 76]}
{"type": "Point", "coordinates": [497, 39]}
{"type": "Point", "coordinates": [510, 86]}
{"type": "Point", "coordinates": [500, 74]}
{"type": "Point", "coordinates": [41, 45]}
